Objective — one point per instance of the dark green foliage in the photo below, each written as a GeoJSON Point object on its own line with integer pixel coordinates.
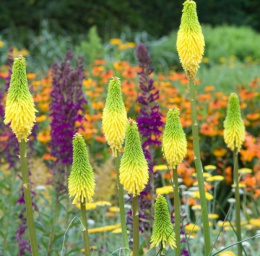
{"type": "Point", "coordinates": [156, 17]}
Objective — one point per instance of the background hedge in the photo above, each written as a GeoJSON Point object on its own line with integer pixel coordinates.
{"type": "Point", "coordinates": [157, 17]}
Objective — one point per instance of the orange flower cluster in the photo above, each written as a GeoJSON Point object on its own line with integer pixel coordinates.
{"type": "Point", "coordinates": [173, 92]}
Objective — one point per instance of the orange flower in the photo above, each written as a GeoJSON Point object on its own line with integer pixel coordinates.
{"type": "Point", "coordinates": [247, 155]}
{"type": "Point", "coordinates": [96, 117]}
{"type": "Point", "coordinates": [4, 138]}
{"type": "Point", "coordinates": [107, 75]}
{"type": "Point", "coordinates": [209, 88]}
{"type": "Point", "coordinates": [97, 70]}
{"type": "Point", "coordinates": [97, 105]}
{"type": "Point", "coordinates": [99, 62]}
{"type": "Point", "coordinates": [228, 175]}
{"type": "Point", "coordinates": [205, 97]}
{"type": "Point", "coordinates": [177, 76]}
{"type": "Point", "coordinates": [87, 82]}
{"type": "Point", "coordinates": [31, 76]}
{"type": "Point", "coordinates": [208, 130]}
{"type": "Point", "coordinates": [192, 201]}
{"type": "Point", "coordinates": [184, 81]}
{"type": "Point", "coordinates": [41, 118]}
{"type": "Point", "coordinates": [44, 107]}
{"type": "Point", "coordinates": [129, 73]}
{"type": "Point", "coordinates": [253, 116]}
{"type": "Point", "coordinates": [219, 152]}
{"type": "Point", "coordinates": [4, 74]}
{"type": "Point", "coordinates": [250, 181]}
{"type": "Point", "coordinates": [166, 176]}
{"type": "Point", "coordinates": [257, 193]}
{"type": "Point", "coordinates": [101, 139]}
{"type": "Point", "coordinates": [44, 136]}
{"type": "Point", "coordinates": [48, 156]}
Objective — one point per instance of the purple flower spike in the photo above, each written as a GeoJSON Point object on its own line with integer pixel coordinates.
{"type": "Point", "coordinates": [150, 119]}
{"type": "Point", "coordinates": [65, 109]}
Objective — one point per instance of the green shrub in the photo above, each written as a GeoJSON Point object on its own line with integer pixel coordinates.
{"type": "Point", "coordinates": [225, 41]}
{"type": "Point", "coordinates": [91, 48]}
{"type": "Point", "coordinates": [222, 41]}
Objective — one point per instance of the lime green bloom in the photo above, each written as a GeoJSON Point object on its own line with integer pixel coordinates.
{"type": "Point", "coordinates": [133, 168]}
{"type": "Point", "coordinates": [190, 40]}
{"type": "Point", "coordinates": [81, 180]}
{"type": "Point", "coordinates": [234, 128]}
{"type": "Point", "coordinates": [20, 109]}
{"type": "Point", "coordinates": [114, 116]}
{"type": "Point", "coordinates": [162, 228]}
{"type": "Point", "coordinates": [174, 144]}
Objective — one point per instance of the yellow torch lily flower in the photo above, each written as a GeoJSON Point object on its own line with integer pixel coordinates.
{"type": "Point", "coordinates": [234, 127]}
{"type": "Point", "coordinates": [114, 116]}
{"type": "Point", "coordinates": [20, 109]}
{"type": "Point", "coordinates": [190, 40]}
{"type": "Point", "coordinates": [81, 180]}
{"type": "Point", "coordinates": [133, 168]}
{"type": "Point", "coordinates": [174, 144]}
{"type": "Point", "coordinates": [162, 228]}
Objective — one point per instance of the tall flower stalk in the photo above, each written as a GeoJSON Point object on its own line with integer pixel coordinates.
{"type": "Point", "coordinates": [134, 174]}
{"type": "Point", "coordinates": [234, 136]}
{"type": "Point", "coordinates": [190, 47]}
{"type": "Point", "coordinates": [149, 122]}
{"type": "Point", "coordinates": [149, 119]}
{"type": "Point", "coordinates": [174, 147]}
{"type": "Point", "coordinates": [20, 114]}
{"type": "Point", "coordinates": [67, 107]}
{"type": "Point", "coordinates": [114, 126]}
{"type": "Point", "coordinates": [81, 183]}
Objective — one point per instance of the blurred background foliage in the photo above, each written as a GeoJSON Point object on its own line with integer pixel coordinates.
{"type": "Point", "coordinates": [76, 17]}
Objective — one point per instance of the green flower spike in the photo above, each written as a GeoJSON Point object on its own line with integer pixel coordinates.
{"type": "Point", "coordinates": [190, 40]}
{"type": "Point", "coordinates": [114, 116]}
{"type": "Point", "coordinates": [133, 168]}
{"type": "Point", "coordinates": [81, 179]}
{"type": "Point", "coordinates": [174, 142]}
{"type": "Point", "coordinates": [234, 128]}
{"type": "Point", "coordinates": [162, 228]}
{"type": "Point", "coordinates": [20, 109]}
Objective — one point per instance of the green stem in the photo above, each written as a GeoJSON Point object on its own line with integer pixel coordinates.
{"type": "Point", "coordinates": [135, 226]}
{"type": "Point", "coordinates": [27, 198]}
{"type": "Point", "coordinates": [9, 210]}
{"type": "Point", "coordinates": [54, 219]}
{"type": "Point", "coordinates": [121, 206]}
{"type": "Point", "coordinates": [177, 213]}
{"type": "Point", "coordinates": [85, 230]}
{"type": "Point", "coordinates": [67, 174]}
{"type": "Point", "coordinates": [237, 197]}
{"type": "Point", "coordinates": [199, 169]}
{"type": "Point", "coordinates": [161, 249]}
